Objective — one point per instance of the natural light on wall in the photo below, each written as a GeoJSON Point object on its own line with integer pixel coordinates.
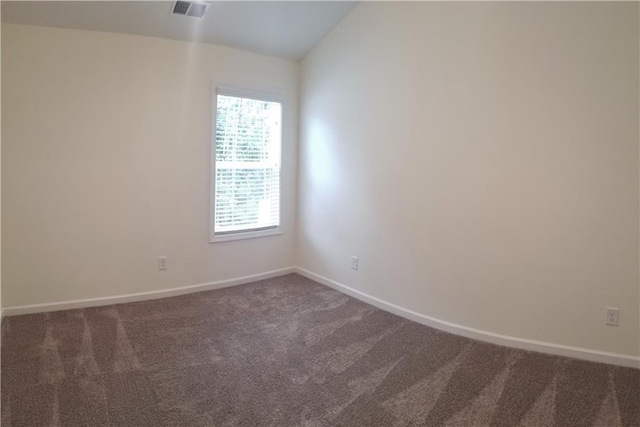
{"type": "Point", "coordinates": [246, 166]}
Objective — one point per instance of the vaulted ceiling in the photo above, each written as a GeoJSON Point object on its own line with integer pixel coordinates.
{"type": "Point", "coordinates": [288, 29]}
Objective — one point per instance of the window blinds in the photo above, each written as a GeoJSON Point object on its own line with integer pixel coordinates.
{"type": "Point", "coordinates": [247, 165]}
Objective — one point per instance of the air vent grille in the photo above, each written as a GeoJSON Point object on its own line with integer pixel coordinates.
{"type": "Point", "coordinates": [194, 9]}
{"type": "Point", "coordinates": [197, 10]}
{"type": "Point", "coordinates": [181, 7]}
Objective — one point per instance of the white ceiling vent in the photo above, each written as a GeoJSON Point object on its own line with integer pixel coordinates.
{"type": "Point", "coordinates": [194, 9]}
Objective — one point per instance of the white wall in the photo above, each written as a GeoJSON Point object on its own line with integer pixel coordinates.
{"type": "Point", "coordinates": [0, 172]}
{"type": "Point", "coordinates": [105, 165]}
{"type": "Point", "coordinates": [482, 161]}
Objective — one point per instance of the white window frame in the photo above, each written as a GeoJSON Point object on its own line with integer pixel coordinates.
{"type": "Point", "coordinates": [260, 95]}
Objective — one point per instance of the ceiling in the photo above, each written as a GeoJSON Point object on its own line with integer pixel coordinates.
{"type": "Point", "coordinates": [288, 29]}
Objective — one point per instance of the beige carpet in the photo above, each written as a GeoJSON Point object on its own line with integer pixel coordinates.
{"type": "Point", "coordinates": [287, 351]}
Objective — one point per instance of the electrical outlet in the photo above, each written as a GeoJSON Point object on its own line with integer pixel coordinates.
{"type": "Point", "coordinates": [354, 263]}
{"type": "Point", "coordinates": [162, 263]}
{"type": "Point", "coordinates": [612, 316]}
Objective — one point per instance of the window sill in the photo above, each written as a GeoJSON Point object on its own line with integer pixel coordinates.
{"type": "Point", "coordinates": [245, 235]}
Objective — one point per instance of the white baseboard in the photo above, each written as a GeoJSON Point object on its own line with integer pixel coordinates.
{"type": "Point", "coordinates": [477, 334]}
{"type": "Point", "coordinates": [142, 296]}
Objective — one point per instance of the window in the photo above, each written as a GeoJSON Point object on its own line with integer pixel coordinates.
{"type": "Point", "coordinates": [246, 165]}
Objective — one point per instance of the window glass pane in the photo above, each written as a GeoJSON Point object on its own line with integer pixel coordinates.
{"type": "Point", "coordinates": [247, 178]}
